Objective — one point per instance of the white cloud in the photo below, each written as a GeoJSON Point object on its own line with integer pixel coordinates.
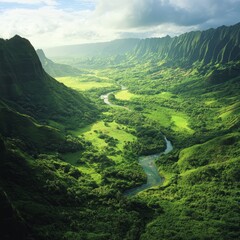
{"type": "Point", "coordinates": [138, 13]}
{"type": "Point", "coordinates": [45, 26]}
{"type": "Point", "coordinates": [47, 2]}
{"type": "Point", "coordinates": [106, 20]}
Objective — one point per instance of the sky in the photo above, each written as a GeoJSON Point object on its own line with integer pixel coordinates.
{"type": "Point", "coordinates": [48, 23]}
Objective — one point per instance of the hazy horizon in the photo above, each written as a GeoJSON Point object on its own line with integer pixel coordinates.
{"type": "Point", "coordinates": [50, 23]}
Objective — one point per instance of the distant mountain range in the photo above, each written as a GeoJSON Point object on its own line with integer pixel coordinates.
{"type": "Point", "coordinates": [56, 69]}
{"type": "Point", "coordinates": [212, 46]}
{"type": "Point", "coordinates": [103, 49]}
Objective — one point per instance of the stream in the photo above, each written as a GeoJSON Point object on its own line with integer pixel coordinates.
{"type": "Point", "coordinates": [104, 97]}
{"type": "Point", "coordinates": [147, 162]}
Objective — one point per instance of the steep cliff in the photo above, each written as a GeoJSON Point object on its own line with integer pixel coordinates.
{"type": "Point", "coordinates": [213, 46]}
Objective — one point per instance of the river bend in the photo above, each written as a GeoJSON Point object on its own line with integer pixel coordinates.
{"type": "Point", "coordinates": [147, 162]}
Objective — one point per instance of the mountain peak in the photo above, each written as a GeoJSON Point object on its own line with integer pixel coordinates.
{"type": "Point", "coordinates": [17, 37]}
{"type": "Point", "coordinates": [41, 53]}
{"type": "Point", "coordinates": [26, 86]}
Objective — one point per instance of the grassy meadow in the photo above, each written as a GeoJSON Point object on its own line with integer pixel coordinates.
{"type": "Point", "coordinates": [86, 82]}
{"type": "Point", "coordinates": [107, 137]}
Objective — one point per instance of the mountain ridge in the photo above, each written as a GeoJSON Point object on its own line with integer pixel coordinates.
{"type": "Point", "coordinates": [115, 47]}
{"type": "Point", "coordinates": [212, 46]}
{"type": "Point", "coordinates": [30, 90]}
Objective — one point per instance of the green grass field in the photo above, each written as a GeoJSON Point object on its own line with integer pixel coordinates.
{"type": "Point", "coordinates": [81, 84]}
{"type": "Point", "coordinates": [169, 118]}
{"type": "Point", "coordinates": [181, 123]}
{"type": "Point", "coordinates": [93, 134]}
{"type": "Point", "coordinates": [111, 129]}
{"type": "Point", "coordinates": [161, 115]}
{"type": "Point", "coordinates": [125, 95]}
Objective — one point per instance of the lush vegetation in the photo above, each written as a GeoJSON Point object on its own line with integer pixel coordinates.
{"type": "Point", "coordinates": [67, 159]}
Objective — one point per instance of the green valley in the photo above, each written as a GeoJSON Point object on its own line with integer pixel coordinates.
{"type": "Point", "coordinates": [69, 158]}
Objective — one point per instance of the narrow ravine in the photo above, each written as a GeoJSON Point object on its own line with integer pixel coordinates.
{"type": "Point", "coordinates": [147, 162]}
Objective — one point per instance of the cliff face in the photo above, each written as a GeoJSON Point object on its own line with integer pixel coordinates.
{"type": "Point", "coordinates": [213, 46]}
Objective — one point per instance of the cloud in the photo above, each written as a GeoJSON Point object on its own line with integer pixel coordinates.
{"type": "Point", "coordinates": [30, 2]}
{"type": "Point", "coordinates": [59, 22]}
{"type": "Point", "coordinates": [46, 25]}
{"type": "Point", "coordinates": [141, 13]}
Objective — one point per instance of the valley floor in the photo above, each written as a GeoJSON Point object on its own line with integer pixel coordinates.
{"type": "Point", "coordinates": [198, 199]}
{"type": "Point", "coordinates": [78, 191]}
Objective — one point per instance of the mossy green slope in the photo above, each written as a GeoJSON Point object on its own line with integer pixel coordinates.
{"type": "Point", "coordinates": [217, 150]}
{"type": "Point", "coordinates": [35, 136]}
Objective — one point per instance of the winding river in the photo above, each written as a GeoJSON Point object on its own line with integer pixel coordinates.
{"type": "Point", "coordinates": [149, 166]}
{"type": "Point", "coordinates": [147, 162]}
{"type": "Point", "coordinates": [106, 100]}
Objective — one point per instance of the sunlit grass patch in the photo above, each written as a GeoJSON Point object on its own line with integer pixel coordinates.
{"type": "Point", "coordinates": [169, 118]}
{"type": "Point", "coordinates": [94, 133]}
{"type": "Point", "coordinates": [111, 129]}
{"type": "Point", "coordinates": [161, 115]}
{"type": "Point", "coordinates": [124, 95]}
{"type": "Point", "coordinates": [230, 110]}
{"type": "Point", "coordinates": [166, 95]}
{"type": "Point", "coordinates": [92, 172]}
{"type": "Point", "coordinates": [210, 102]}
{"type": "Point", "coordinates": [166, 175]}
{"type": "Point", "coordinates": [181, 124]}
{"type": "Point", "coordinates": [80, 84]}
